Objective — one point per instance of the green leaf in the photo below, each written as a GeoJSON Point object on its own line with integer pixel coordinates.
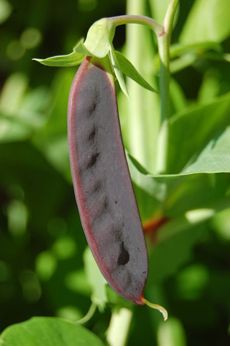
{"type": "Point", "coordinates": [99, 37]}
{"type": "Point", "coordinates": [189, 54]}
{"type": "Point", "coordinates": [72, 59]}
{"type": "Point", "coordinates": [214, 158]}
{"type": "Point", "coordinates": [117, 72]}
{"type": "Point", "coordinates": [207, 21]}
{"type": "Point", "coordinates": [96, 280]}
{"type": "Point", "coordinates": [48, 331]}
{"type": "Point", "coordinates": [79, 46]}
{"type": "Point", "coordinates": [174, 194]}
{"type": "Point", "coordinates": [196, 48]}
{"type": "Point", "coordinates": [191, 131]}
{"type": "Point", "coordinates": [191, 59]}
{"type": "Point", "coordinates": [125, 66]}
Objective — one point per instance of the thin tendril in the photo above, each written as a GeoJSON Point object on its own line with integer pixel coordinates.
{"type": "Point", "coordinates": [160, 308]}
{"type": "Point", "coordinates": [88, 315]}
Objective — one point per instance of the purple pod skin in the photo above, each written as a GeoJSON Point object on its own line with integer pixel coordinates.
{"type": "Point", "coordinates": [102, 184]}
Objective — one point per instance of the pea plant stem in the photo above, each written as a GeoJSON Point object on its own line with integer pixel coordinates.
{"type": "Point", "coordinates": [139, 129]}
{"type": "Point", "coordinates": [137, 19]}
{"type": "Point", "coordinates": [163, 48]}
{"type": "Point", "coordinates": [163, 33]}
{"type": "Point", "coordinates": [164, 84]}
{"type": "Point", "coordinates": [119, 327]}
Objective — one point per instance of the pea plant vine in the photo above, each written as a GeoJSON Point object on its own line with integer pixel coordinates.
{"type": "Point", "coordinates": [98, 47]}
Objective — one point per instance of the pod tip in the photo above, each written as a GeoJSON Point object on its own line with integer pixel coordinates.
{"type": "Point", "coordinates": [158, 307]}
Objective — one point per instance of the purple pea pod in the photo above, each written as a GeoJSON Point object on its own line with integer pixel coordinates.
{"type": "Point", "coordinates": [102, 184]}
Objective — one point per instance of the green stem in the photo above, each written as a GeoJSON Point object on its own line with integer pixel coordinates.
{"type": "Point", "coordinates": [163, 46]}
{"type": "Point", "coordinates": [137, 19]}
{"type": "Point", "coordinates": [169, 17]}
{"type": "Point", "coordinates": [163, 49]}
{"type": "Point", "coordinates": [139, 50]}
{"type": "Point", "coordinates": [88, 315]}
{"type": "Point", "coordinates": [117, 332]}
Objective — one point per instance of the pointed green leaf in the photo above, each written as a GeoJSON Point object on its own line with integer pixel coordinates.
{"type": "Point", "coordinates": [72, 59]}
{"type": "Point", "coordinates": [125, 66]}
{"type": "Point", "coordinates": [99, 37]}
{"type": "Point", "coordinates": [117, 72]}
{"type": "Point", "coordinates": [81, 49]}
{"type": "Point", "coordinates": [78, 45]}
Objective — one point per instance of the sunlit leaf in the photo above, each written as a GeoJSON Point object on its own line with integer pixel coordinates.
{"type": "Point", "coordinates": [129, 70]}
{"type": "Point", "coordinates": [214, 157]}
{"type": "Point", "coordinates": [175, 194]}
{"type": "Point", "coordinates": [207, 21]}
{"type": "Point", "coordinates": [117, 72]}
{"type": "Point", "coordinates": [72, 59]}
{"type": "Point", "coordinates": [192, 130]}
{"type": "Point", "coordinates": [198, 48]}
{"type": "Point", "coordinates": [48, 331]}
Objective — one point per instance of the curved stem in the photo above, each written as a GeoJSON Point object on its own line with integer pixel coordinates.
{"type": "Point", "coordinates": [163, 45]}
{"type": "Point", "coordinates": [169, 17]}
{"type": "Point", "coordinates": [88, 315]}
{"type": "Point", "coordinates": [137, 19]}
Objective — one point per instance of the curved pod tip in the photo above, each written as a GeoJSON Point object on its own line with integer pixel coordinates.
{"type": "Point", "coordinates": [158, 307]}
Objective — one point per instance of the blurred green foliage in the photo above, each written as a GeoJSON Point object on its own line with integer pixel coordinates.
{"type": "Point", "coordinates": [44, 261]}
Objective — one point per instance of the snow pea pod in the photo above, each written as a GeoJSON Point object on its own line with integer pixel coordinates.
{"type": "Point", "coordinates": [102, 184]}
